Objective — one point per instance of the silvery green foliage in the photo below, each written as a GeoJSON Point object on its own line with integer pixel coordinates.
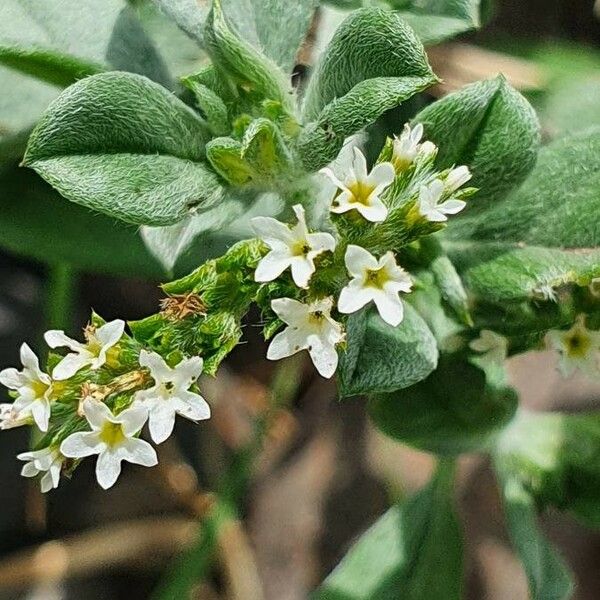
{"type": "Point", "coordinates": [518, 266]}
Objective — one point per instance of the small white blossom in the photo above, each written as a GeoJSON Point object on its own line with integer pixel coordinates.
{"type": "Point", "coordinates": [295, 248]}
{"type": "Point", "coordinates": [169, 396]}
{"type": "Point", "coordinates": [10, 418]}
{"type": "Point", "coordinates": [113, 439]}
{"type": "Point", "coordinates": [406, 147]}
{"type": "Point", "coordinates": [92, 353]}
{"type": "Point", "coordinates": [310, 327]}
{"type": "Point", "coordinates": [379, 281]}
{"type": "Point", "coordinates": [429, 203]}
{"type": "Point", "coordinates": [361, 190]}
{"type": "Point", "coordinates": [491, 346]}
{"type": "Point", "coordinates": [48, 461]}
{"type": "Point", "coordinates": [33, 388]}
{"type": "Point", "coordinates": [457, 178]}
{"type": "Point", "coordinates": [579, 348]}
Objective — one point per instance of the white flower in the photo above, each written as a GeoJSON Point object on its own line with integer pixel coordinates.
{"type": "Point", "coordinates": [360, 190]}
{"type": "Point", "coordinates": [33, 388]}
{"type": "Point", "coordinates": [457, 178]}
{"type": "Point", "coordinates": [295, 248]}
{"type": "Point", "coordinates": [169, 395]}
{"type": "Point", "coordinates": [92, 353]}
{"type": "Point", "coordinates": [310, 327]}
{"type": "Point", "coordinates": [428, 149]}
{"type": "Point", "coordinates": [491, 346]}
{"type": "Point", "coordinates": [10, 418]}
{"type": "Point", "coordinates": [579, 348]}
{"type": "Point", "coordinates": [48, 461]}
{"type": "Point", "coordinates": [429, 203]}
{"type": "Point", "coordinates": [379, 281]}
{"type": "Point", "coordinates": [112, 438]}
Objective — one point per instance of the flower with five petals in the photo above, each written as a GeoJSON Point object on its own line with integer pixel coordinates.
{"type": "Point", "coordinates": [170, 395]}
{"type": "Point", "coordinates": [379, 281]}
{"type": "Point", "coordinates": [361, 190]}
{"type": "Point", "coordinates": [309, 327]}
{"type": "Point", "coordinates": [294, 247]}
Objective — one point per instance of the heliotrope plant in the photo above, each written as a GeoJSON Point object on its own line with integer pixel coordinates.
{"type": "Point", "coordinates": [410, 275]}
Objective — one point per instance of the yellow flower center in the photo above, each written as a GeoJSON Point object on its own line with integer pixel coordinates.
{"type": "Point", "coordinates": [300, 248]}
{"type": "Point", "coordinates": [39, 388]}
{"type": "Point", "coordinates": [376, 277]}
{"type": "Point", "coordinates": [361, 192]}
{"type": "Point", "coordinates": [112, 433]}
{"type": "Point", "coordinates": [577, 344]}
{"type": "Point", "coordinates": [317, 317]}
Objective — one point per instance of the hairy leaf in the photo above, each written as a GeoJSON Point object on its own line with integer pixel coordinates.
{"type": "Point", "coordinates": [188, 14]}
{"type": "Point", "coordinates": [382, 358]}
{"type": "Point", "coordinates": [370, 43]}
{"type": "Point", "coordinates": [123, 145]}
{"type": "Point", "coordinates": [60, 41]}
{"type": "Point", "coordinates": [558, 205]}
{"type": "Point", "coordinates": [456, 409]}
{"type": "Point", "coordinates": [505, 273]}
{"type": "Point", "coordinates": [321, 141]}
{"type": "Point", "coordinates": [549, 578]}
{"type": "Point", "coordinates": [394, 558]}
{"type": "Point", "coordinates": [489, 127]}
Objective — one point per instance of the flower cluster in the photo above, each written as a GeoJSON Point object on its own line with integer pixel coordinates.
{"type": "Point", "coordinates": [96, 400]}
{"type": "Point", "coordinates": [402, 188]}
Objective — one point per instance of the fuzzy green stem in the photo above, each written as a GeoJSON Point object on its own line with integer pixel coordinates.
{"type": "Point", "coordinates": [60, 289]}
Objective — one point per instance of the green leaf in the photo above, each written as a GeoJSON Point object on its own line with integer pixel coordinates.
{"type": "Point", "coordinates": [255, 75]}
{"type": "Point", "coordinates": [413, 552]}
{"type": "Point", "coordinates": [62, 42]}
{"type": "Point", "coordinates": [321, 141]}
{"type": "Point", "coordinates": [437, 20]}
{"type": "Point", "coordinates": [382, 358]}
{"type": "Point", "coordinates": [558, 205]}
{"type": "Point", "coordinates": [505, 273]}
{"type": "Point", "coordinates": [122, 145]}
{"type": "Point", "coordinates": [182, 247]}
{"type": "Point", "coordinates": [571, 106]}
{"type": "Point", "coordinates": [557, 457]}
{"type": "Point", "coordinates": [189, 15]}
{"type": "Point", "coordinates": [37, 223]}
{"type": "Point", "coordinates": [456, 409]}
{"type": "Point", "coordinates": [549, 578]}
{"type": "Point", "coordinates": [370, 43]}
{"type": "Point", "coordinates": [489, 127]}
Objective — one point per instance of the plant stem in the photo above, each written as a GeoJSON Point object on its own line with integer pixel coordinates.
{"type": "Point", "coordinates": [193, 566]}
{"type": "Point", "coordinates": [60, 289]}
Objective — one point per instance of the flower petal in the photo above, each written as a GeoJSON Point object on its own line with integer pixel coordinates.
{"type": "Point", "coordinates": [110, 333]}
{"type": "Point", "coordinates": [188, 371]}
{"type": "Point", "coordinates": [271, 231]}
{"type": "Point", "coordinates": [272, 265]}
{"type": "Point", "coordinates": [40, 411]}
{"type": "Point", "coordinates": [108, 468]}
{"type": "Point", "coordinates": [382, 175]}
{"type": "Point", "coordinates": [192, 406]}
{"type": "Point", "coordinates": [376, 212]}
{"type": "Point", "coordinates": [69, 365]}
{"type": "Point", "coordinates": [82, 444]}
{"type": "Point", "coordinates": [452, 206]}
{"type": "Point", "coordinates": [56, 338]}
{"type": "Point", "coordinates": [140, 452]}
{"type": "Point", "coordinates": [321, 242]}
{"type": "Point", "coordinates": [390, 307]}
{"type": "Point", "coordinates": [359, 164]}
{"type": "Point", "coordinates": [11, 378]}
{"type": "Point", "coordinates": [161, 421]}
{"type": "Point", "coordinates": [97, 413]}
{"type": "Point", "coordinates": [353, 297]}
{"type": "Point", "coordinates": [286, 343]}
{"type": "Point", "coordinates": [358, 259]}
{"type": "Point", "coordinates": [159, 369]}
{"type": "Point", "coordinates": [290, 311]}
{"type": "Point", "coordinates": [324, 356]}
{"type": "Point", "coordinates": [132, 419]}
{"type": "Point", "coordinates": [302, 270]}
